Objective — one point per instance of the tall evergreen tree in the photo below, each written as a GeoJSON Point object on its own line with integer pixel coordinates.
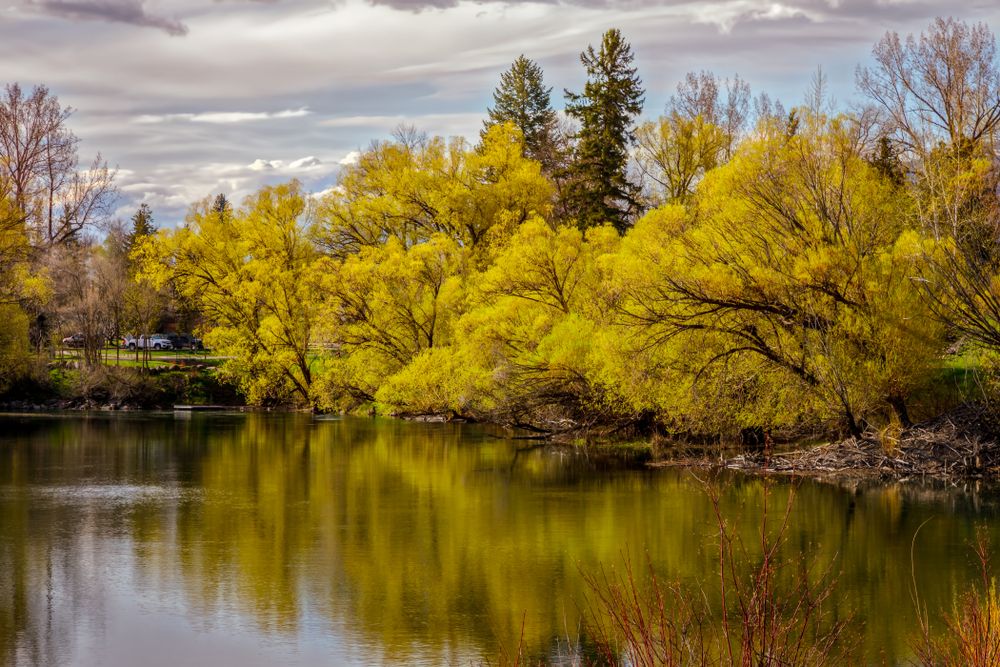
{"type": "Point", "coordinates": [523, 99]}
{"type": "Point", "coordinates": [142, 225]}
{"type": "Point", "coordinates": [221, 207]}
{"type": "Point", "coordinates": [599, 190]}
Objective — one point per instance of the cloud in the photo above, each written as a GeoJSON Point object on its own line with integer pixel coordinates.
{"type": "Point", "coordinates": [723, 13]}
{"type": "Point", "coordinates": [307, 163]}
{"type": "Point", "coordinates": [170, 189]}
{"type": "Point", "coordinates": [349, 159]}
{"type": "Point", "coordinates": [132, 12]}
{"type": "Point", "coordinates": [262, 165]}
{"type": "Point", "coordinates": [222, 117]}
{"type": "Point", "coordinates": [445, 123]}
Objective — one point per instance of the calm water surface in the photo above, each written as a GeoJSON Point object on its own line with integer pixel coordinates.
{"type": "Point", "coordinates": [280, 539]}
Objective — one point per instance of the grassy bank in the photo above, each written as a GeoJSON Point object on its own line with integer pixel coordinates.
{"type": "Point", "coordinates": [66, 384]}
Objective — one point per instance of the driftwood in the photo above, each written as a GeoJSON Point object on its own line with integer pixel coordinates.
{"type": "Point", "coordinates": [960, 443]}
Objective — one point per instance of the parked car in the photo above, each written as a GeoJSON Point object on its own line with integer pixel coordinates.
{"type": "Point", "coordinates": [152, 342]}
{"type": "Point", "coordinates": [76, 340]}
{"type": "Point", "coordinates": [183, 341]}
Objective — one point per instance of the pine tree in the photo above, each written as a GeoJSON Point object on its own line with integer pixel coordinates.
{"type": "Point", "coordinates": [523, 99]}
{"type": "Point", "coordinates": [599, 190]}
{"type": "Point", "coordinates": [221, 207]}
{"type": "Point", "coordinates": [142, 225]}
{"type": "Point", "coordinates": [885, 159]}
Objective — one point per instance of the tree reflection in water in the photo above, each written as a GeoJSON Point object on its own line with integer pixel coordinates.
{"type": "Point", "coordinates": [379, 540]}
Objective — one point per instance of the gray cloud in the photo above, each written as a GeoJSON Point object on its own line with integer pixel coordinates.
{"type": "Point", "coordinates": [261, 91]}
{"type": "Point", "coordinates": [131, 12]}
{"type": "Point", "coordinates": [725, 13]}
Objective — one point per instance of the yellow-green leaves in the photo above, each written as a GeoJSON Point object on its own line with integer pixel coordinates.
{"type": "Point", "coordinates": [782, 293]}
{"type": "Point", "coordinates": [675, 152]}
{"type": "Point", "coordinates": [796, 262]}
{"type": "Point", "coordinates": [416, 187]}
{"type": "Point", "coordinates": [387, 304]}
{"type": "Point", "coordinates": [252, 275]}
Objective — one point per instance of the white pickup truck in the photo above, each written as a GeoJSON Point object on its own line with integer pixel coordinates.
{"type": "Point", "coordinates": [152, 342]}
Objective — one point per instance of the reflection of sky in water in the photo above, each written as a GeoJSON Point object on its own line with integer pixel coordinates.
{"type": "Point", "coordinates": [276, 539]}
{"type": "Point", "coordinates": [136, 625]}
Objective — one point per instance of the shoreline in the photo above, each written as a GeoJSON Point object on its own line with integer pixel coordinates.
{"type": "Point", "coordinates": [959, 445]}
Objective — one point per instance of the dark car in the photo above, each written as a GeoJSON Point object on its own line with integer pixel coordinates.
{"type": "Point", "coordinates": [183, 341]}
{"type": "Point", "coordinates": [76, 340]}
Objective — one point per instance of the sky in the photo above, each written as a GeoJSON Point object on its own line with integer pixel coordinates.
{"type": "Point", "coordinates": [189, 98]}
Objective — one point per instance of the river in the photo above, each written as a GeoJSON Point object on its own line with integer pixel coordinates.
{"type": "Point", "coordinates": [264, 539]}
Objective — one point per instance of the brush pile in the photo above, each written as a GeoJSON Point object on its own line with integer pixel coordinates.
{"type": "Point", "coordinates": [965, 442]}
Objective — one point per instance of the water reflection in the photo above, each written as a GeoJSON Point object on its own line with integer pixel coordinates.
{"type": "Point", "coordinates": [277, 538]}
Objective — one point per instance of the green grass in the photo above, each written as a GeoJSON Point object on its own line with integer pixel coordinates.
{"type": "Point", "coordinates": [958, 379]}
{"type": "Point", "coordinates": [156, 358]}
{"type": "Point", "coordinates": [960, 371]}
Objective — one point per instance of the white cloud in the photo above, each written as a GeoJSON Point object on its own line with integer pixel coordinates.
{"type": "Point", "coordinates": [262, 165]}
{"type": "Point", "coordinates": [349, 159]}
{"type": "Point", "coordinates": [222, 117]}
{"type": "Point", "coordinates": [310, 162]}
{"type": "Point", "coordinates": [726, 14]}
{"type": "Point", "coordinates": [326, 191]}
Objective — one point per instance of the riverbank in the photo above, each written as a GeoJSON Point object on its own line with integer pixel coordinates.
{"type": "Point", "coordinates": [963, 443]}
{"type": "Point", "coordinates": [110, 388]}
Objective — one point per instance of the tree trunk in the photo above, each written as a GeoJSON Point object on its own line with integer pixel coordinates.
{"type": "Point", "coordinates": [898, 405]}
{"type": "Point", "coordinates": [852, 424]}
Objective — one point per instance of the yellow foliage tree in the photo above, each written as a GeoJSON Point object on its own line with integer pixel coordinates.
{"type": "Point", "coordinates": [531, 325]}
{"type": "Point", "coordinates": [416, 187]}
{"type": "Point", "coordinates": [383, 307]}
{"type": "Point", "coordinates": [796, 277]}
{"type": "Point", "coordinates": [251, 274]}
{"type": "Point", "coordinates": [675, 152]}
{"type": "Point", "coordinates": [20, 286]}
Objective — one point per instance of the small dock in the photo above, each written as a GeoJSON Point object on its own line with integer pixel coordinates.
{"type": "Point", "coordinates": [205, 408]}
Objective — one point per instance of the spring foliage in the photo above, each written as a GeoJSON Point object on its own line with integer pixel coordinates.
{"type": "Point", "coordinates": [779, 292]}
{"type": "Point", "coordinates": [711, 271]}
{"type": "Point", "coordinates": [804, 271]}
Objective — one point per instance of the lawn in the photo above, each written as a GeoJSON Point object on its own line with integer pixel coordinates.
{"type": "Point", "coordinates": [156, 358]}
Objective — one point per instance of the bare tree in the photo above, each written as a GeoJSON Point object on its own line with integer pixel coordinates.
{"type": "Point", "coordinates": [40, 168]}
{"type": "Point", "coordinates": [704, 121]}
{"type": "Point", "coordinates": [942, 86]}
{"type": "Point", "coordinates": [939, 98]}
{"type": "Point", "coordinates": [724, 103]}
{"type": "Point", "coordinates": [78, 298]}
{"type": "Point", "coordinates": [112, 274]}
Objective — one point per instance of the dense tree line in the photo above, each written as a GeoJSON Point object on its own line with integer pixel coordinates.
{"type": "Point", "coordinates": [732, 264]}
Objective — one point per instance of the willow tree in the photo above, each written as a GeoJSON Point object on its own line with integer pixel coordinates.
{"type": "Point", "coordinates": [21, 285]}
{"type": "Point", "coordinates": [412, 189]}
{"type": "Point", "coordinates": [705, 120]}
{"type": "Point", "coordinates": [252, 276]}
{"type": "Point", "coordinates": [382, 307]}
{"type": "Point", "coordinates": [532, 328]}
{"type": "Point", "coordinates": [674, 153]}
{"type": "Point", "coordinates": [799, 262]}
